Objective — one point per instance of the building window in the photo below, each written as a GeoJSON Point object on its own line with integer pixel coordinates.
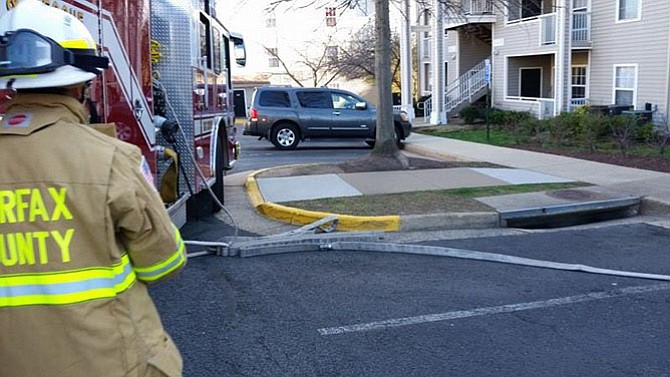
{"type": "Point", "coordinates": [331, 16]}
{"type": "Point", "coordinates": [520, 9]}
{"type": "Point", "coordinates": [331, 53]}
{"type": "Point", "coordinates": [426, 46]}
{"type": "Point", "coordinates": [273, 60]}
{"type": "Point", "coordinates": [428, 78]}
{"type": "Point", "coordinates": [578, 86]}
{"type": "Point", "coordinates": [628, 10]}
{"type": "Point", "coordinates": [625, 84]}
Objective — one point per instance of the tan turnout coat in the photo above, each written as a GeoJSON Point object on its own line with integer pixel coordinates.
{"type": "Point", "coordinates": [82, 233]}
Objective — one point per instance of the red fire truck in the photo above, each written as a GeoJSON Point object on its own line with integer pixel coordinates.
{"type": "Point", "coordinates": [168, 91]}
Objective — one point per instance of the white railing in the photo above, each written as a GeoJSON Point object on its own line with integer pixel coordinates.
{"type": "Point", "coordinates": [427, 107]}
{"type": "Point", "coordinates": [581, 26]}
{"type": "Point", "coordinates": [576, 103]}
{"type": "Point", "coordinates": [463, 88]}
{"type": "Point", "coordinates": [548, 29]}
{"type": "Point", "coordinates": [477, 6]}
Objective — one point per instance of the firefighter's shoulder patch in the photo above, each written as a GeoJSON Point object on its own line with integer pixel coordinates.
{"type": "Point", "coordinates": [21, 120]}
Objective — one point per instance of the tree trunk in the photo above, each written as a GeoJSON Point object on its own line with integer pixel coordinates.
{"type": "Point", "coordinates": [385, 144]}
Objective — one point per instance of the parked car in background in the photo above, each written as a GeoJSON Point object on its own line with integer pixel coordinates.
{"type": "Point", "coordinates": [288, 115]}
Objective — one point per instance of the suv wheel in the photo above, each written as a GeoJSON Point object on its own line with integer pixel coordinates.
{"type": "Point", "coordinates": [285, 136]}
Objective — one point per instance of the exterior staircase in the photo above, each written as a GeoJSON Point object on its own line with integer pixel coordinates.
{"type": "Point", "coordinates": [468, 88]}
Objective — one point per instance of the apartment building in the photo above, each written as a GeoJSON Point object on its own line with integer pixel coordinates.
{"type": "Point", "coordinates": [550, 56]}
{"type": "Point", "coordinates": [284, 37]}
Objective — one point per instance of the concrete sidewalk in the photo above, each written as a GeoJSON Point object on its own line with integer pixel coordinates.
{"type": "Point", "coordinates": [612, 188]}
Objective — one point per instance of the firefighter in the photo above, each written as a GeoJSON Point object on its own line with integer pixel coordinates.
{"type": "Point", "coordinates": [83, 232]}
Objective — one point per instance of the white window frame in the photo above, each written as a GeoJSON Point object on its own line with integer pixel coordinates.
{"type": "Point", "coordinates": [618, 15]}
{"type": "Point", "coordinates": [586, 79]}
{"type": "Point", "coordinates": [635, 81]}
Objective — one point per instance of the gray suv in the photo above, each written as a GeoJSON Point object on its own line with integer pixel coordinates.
{"type": "Point", "coordinates": [287, 115]}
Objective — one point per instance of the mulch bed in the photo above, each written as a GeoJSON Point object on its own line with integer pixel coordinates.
{"type": "Point", "coordinates": [659, 163]}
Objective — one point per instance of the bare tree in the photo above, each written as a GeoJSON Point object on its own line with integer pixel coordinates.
{"type": "Point", "coordinates": [358, 56]}
{"type": "Point", "coordinates": [322, 67]}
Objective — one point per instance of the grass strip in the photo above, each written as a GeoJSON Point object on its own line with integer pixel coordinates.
{"type": "Point", "coordinates": [420, 202]}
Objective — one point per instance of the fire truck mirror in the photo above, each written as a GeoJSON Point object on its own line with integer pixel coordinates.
{"type": "Point", "coordinates": [239, 49]}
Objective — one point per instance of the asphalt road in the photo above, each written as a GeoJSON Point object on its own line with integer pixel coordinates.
{"type": "Point", "coordinates": [352, 313]}
{"type": "Point", "coordinates": [258, 154]}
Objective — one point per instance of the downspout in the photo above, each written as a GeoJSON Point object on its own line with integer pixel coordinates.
{"type": "Point", "coordinates": [559, 96]}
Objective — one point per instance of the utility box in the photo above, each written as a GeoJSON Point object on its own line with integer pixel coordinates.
{"type": "Point", "coordinates": [618, 109]}
{"type": "Point", "coordinates": [644, 116]}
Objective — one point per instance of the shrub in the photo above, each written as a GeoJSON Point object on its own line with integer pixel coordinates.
{"type": "Point", "coordinates": [562, 128]}
{"type": "Point", "coordinates": [470, 114]}
{"type": "Point", "coordinates": [496, 116]}
{"type": "Point", "coordinates": [623, 128]}
{"type": "Point", "coordinates": [592, 127]}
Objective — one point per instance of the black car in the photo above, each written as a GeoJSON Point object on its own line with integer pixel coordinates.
{"type": "Point", "coordinates": [288, 115]}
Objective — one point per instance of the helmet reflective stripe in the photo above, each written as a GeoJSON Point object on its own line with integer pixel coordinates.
{"type": "Point", "coordinates": [158, 270]}
{"type": "Point", "coordinates": [67, 287]}
{"type": "Point", "coordinates": [78, 44]}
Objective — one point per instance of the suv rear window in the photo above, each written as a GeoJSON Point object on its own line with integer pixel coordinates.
{"type": "Point", "coordinates": [315, 99]}
{"type": "Point", "coordinates": [274, 98]}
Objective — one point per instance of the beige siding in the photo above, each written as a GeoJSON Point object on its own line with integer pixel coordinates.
{"type": "Point", "coordinates": [472, 52]}
{"type": "Point", "coordinates": [451, 49]}
{"type": "Point", "coordinates": [511, 41]}
{"type": "Point", "coordinates": [643, 42]}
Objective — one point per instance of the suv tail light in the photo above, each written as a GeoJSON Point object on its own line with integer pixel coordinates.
{"type": "Point", "coordinates": [253, 114]}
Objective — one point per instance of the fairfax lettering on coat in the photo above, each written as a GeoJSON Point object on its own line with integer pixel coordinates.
{"type": "Point", "coordinates": [31, 206]}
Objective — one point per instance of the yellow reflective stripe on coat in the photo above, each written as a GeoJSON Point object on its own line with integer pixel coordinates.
{"type": "Point", "coordinates": [158, 270]}
{"type": "Point", "coordinates": [66, 287]}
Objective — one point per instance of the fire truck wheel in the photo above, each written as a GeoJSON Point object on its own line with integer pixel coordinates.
{"type": "Point", "coordinates": [285, 136]}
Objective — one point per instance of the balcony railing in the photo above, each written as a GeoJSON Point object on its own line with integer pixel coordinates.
{"type": "Point", "coordinates": [581, 27]}
{"type": "Point", "coordinates": [576, 103]}
{"type": "Point", "coordinates": [548, 29]}
{"type": "Point", "coordinates": [477, 6]}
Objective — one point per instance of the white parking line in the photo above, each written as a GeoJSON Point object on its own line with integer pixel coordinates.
{"type": "Point", "coordinates": [406, 321]}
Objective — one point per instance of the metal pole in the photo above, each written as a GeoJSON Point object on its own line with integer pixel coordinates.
{"type": "Point", "coordinates": [438, 114]}
{"type": "Point", "coordinates": [406, 63]}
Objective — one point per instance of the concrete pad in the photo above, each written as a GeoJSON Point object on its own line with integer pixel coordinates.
{"type": "Point", "coordinates": [520, 176]}
{"type": "Point", "coordinates": [388, 182]}
{"type": "Point", "coordinates": [520, 201]}
{"type": "Point", "coordinates": [286, 189]}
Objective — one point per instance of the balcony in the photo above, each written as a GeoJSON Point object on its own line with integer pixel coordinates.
{"type": "Point", "coordinates": [470, 12]}
{"type": "Point", "coordinates": [581, 28]}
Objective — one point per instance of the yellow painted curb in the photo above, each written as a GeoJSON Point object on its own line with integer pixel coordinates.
{"type": "Point", "coordinates": [297, 216]}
